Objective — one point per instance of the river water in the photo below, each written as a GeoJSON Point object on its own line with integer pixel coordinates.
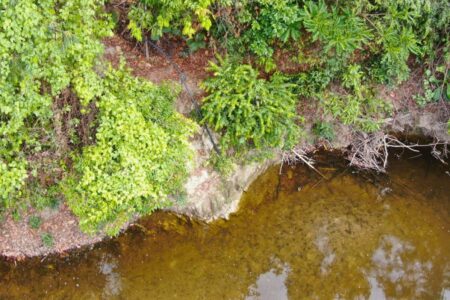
{"type": "Point", "coordinates": [353, 235]}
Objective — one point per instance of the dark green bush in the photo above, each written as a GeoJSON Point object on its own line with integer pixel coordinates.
{"type": "Point", "coordinates": [340, 32]}
{"type": "Point", "coordinates": [47, 240]}
{"type": "Point", "coordinates": [359, 106]}
{"type": "Point", "coordinates": [312, 83]}
{"type": "Point", "coordinates": [156, 16]}
{"type": "Point", "coordinates": [324, 130]}
{"type": "Point", "coordinates": [249, 111]}
{"type": "Point", "coordinates": [272, 22]}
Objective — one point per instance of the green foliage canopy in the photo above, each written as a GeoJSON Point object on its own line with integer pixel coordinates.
{"type": "Point", "coordinates": [139, 159]}
{"type": "Point", "coordinates": [156, 16]}
{"type": "Point", "coordinates": [276, 21]}
{"type": "Point", "coordinates": [343, 32]}
{"type": "Point", "coordinates": [45, 46]}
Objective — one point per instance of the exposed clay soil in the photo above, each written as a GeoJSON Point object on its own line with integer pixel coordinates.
{"type": "Point", "coordinates": [156, 68]}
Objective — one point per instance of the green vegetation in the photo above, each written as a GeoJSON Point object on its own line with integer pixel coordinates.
{"type": "Point", "coordinates": [339, 30]}
{"type": "Point", "coordinates": [41, 197]}
{"type": "Point", "coordinates": [47, 240]}
{"type": "Point", "coordinates": [45, 47]}
{"type": "Point", "coordinates": [359, 106]}
{"type": "Point", "coordinates": [34, 222]}
{"type": "Point", "coordinates": [353, 44]}
{"type": "Point", "coordinates": [276, 22]}
{"type": "Point", "coordinates": [157, 17]}
{"type": "Point", "coordinates": [247, 110]}
{"type": "Point", "coordinates": [436, 85]}
{"type": "Point", "coordinates": [140, 156]}
{"type": "Point", "coordinates": [111, 145]}
{"type": "Point", "coordinates": [324, 130]}
{"type": "Point", "coordinates": [74, 129]}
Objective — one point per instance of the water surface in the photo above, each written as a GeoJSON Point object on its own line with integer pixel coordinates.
{"type": "Point", "coordinates": [353, 235]}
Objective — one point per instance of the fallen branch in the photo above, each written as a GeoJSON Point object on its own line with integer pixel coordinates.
{"type": "Point", "coordinates": [370, 151]}
{"type": "Point", "coordinates": [300, 155]}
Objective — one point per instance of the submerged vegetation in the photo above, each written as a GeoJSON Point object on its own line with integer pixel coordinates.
{"type": "Point", "coordinates": [77, 130]}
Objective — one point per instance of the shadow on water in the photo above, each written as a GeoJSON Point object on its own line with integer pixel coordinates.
{"type": "Point", "coordinates": [355, 235]}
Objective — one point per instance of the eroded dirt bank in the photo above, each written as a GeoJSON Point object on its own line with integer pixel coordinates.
{"type": "Point", "coordinates": [209, 195]}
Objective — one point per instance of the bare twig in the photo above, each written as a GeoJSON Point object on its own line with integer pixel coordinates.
{"type": "Point", "coordinates": [147, 55]}
{"type": "Point", "coordinates": [370, 151]}
{"type": "Point", "coordinates": [307, 161]}
{"type": "Point", "coordinates": [296, 155]}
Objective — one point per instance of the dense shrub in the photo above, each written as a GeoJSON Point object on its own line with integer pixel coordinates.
{"type": "Point", "coordinates": [45, 46]}
{"type": "Point", "coordinates": [313, 82]}
{"type": "Point", "coordinates": [249, 111]}
{"type": "Point", "coordinates": [136, 155]}
{"type": "Point", "coordinates": [272, 22]}
{"type": "Point", "coordinates": [365, 113]}
{"type": "Point", "coordinates": [382, 36]}
{"type": "Point", "coordinates": [339, 31]}
{"type": "Point", "coordinates": [324, 130]}
{"type": "Point", "coordinates": [139, 159]}
{"type": "Point", "coordinates": [156, 16]}
{"type": "Point", "coordinates": [358, 105]}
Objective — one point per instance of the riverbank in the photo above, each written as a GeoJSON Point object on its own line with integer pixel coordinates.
{"type": "Point", "coordinates": [208, 194]}
{"type": "Point", "coordinates": [295, 236]}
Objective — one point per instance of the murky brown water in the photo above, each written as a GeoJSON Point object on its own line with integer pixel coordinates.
{"type": "Point", "coordinates": [296, 236]}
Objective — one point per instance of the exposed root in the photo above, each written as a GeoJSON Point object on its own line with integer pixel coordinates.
{"type": "Point", "coordinates": [370, 151]}
{"type": "Point", "coordinates": [442, 154]}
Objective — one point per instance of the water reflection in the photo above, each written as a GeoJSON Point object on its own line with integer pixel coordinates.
{"type": "Point", "coordinates": [271, 285]}
{"type": "Point", "coordinates": [376, 290]}
{"type": "Point", "coordinates": [350, 237]}
{"type": "Point", "coordinates": [446, 294]}
{"type": "Point", "coordinates": [322, 243]}
{"type": "Point", "coordinates": [392, 267]}
{"type": "Point", "coordinates": [107, 267]}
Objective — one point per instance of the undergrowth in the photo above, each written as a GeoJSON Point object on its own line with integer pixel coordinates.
{"type": "Point", "coordinates": [74, 129]}
{"type": "Point", "coordinates": [113, 147]}
{"type": "Point", "coordinates": [140, 157]}
{"type": "Point", "coordinates": [250, 112]}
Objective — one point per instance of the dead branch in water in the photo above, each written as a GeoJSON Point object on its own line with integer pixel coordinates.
{"type": "Point", "coordinates": [297, 155]}
{"type": "Point", "coordinates": [370, 151]}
